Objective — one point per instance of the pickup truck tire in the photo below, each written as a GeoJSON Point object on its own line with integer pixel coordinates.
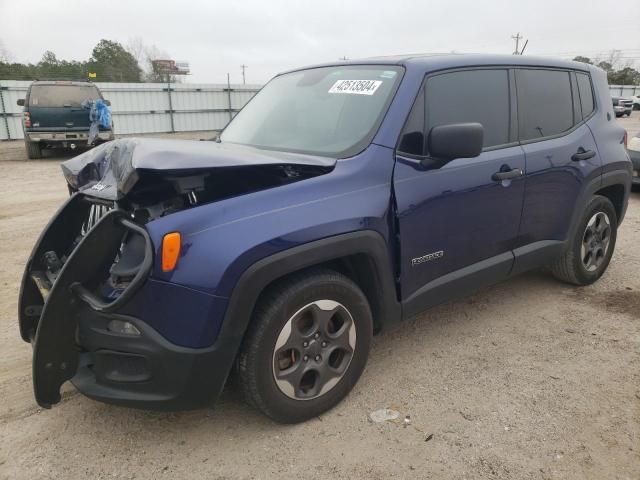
{"type": "Point", "coordinates": [589, 252]}
{"type": "Point", "coordinates": [306, 346]}
{"type": "Point", "coordinates": [34, 150]}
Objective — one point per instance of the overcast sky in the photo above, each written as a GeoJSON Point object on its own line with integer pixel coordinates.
{"type": "Point", "coordinates": [216, 37]}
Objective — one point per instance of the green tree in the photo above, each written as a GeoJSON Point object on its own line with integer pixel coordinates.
{"type": "Point", "coordinates": [606, 66]}
{"type": "Point", "coordinates": [582, 59]}
{"type": "Point", "coordinates": [112, 63]}
{"type": "Point", "coordinates": [624, 76]}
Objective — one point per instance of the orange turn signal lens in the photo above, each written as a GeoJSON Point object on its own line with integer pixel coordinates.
{"type": "Point", "coordinates": [170, 251]}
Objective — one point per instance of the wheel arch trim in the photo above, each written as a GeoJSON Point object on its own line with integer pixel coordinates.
{"type": "Point", "coordinates": [264, 272]}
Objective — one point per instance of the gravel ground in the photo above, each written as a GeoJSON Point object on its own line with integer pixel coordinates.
{"type": "Point", "coordinates": [530, 379]}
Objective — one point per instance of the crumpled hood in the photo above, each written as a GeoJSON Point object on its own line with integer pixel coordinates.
{"type": "Point", "coordinates": [109, 171]}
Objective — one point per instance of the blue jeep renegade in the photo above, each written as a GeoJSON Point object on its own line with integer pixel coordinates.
{"type": "Point", "coordinates": [341, 199]}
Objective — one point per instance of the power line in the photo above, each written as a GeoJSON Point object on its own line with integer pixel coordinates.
{"type": "Point", "coordinates": [243, 67]}
{"type": "Point", "coordinates": [517, 38]}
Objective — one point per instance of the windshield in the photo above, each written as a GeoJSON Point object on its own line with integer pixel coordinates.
{"type": "Point", "coordinates": [329, 111]}
{"type": "Point", "coordinates": [61, 95]}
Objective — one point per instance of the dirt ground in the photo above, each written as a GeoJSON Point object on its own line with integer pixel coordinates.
{"type": "Point", "coordinates": [531, 379]}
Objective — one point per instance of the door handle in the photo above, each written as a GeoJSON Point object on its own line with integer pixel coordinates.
{"type": "Point", "coordinates": [583, 154]}
{"type": "Point", "coordinates": [505, 174]}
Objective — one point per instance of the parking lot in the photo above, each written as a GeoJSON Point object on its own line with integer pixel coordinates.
{"type": "Point", "coordinates": [528, 379]}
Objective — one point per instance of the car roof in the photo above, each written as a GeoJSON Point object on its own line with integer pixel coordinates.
{"type": "Point", "coordinates": [440, 61]}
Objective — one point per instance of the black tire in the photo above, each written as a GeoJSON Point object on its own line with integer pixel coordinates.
{"type": "Point", "coordinates": [256, 365]}
{"type": "Point", "coordinates": [571, 266]}
{"type": "Point", "coordinates": [34, 150]}
{"type": "Point", "coordinates": [618, 115]}
{"type": "Point", "coordinates": [628, 114]}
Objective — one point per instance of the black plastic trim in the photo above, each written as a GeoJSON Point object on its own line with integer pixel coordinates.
{"type": "Point", "coordinates": [535, 255]}
{"type": "Point", "coordinates": [458, 284]}
{"type": "Point", "coordinates": [138, 280]}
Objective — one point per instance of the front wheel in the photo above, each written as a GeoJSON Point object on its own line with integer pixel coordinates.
{"type": "Point", "coordinates": [306, 347]}
{"type": "Point", "coordinates": [589, 251]}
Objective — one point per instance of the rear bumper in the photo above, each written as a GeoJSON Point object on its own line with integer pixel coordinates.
{"type": "Point", "coordinates": [51, 137]}
{"type": "Point", "coordinates": [146, 370]}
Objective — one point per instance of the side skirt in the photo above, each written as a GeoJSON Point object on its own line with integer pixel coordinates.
{"type": "Point", "coordinates": [459, 283]}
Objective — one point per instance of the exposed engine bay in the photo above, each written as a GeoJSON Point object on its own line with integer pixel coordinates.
{"type": "Point", "coordinates": [152, 178]}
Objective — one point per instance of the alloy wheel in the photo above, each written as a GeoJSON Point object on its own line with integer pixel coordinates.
{"type": "Point", "coordinates": [314, 349]}
{"type": "Point", "coordinates": [595, 241]}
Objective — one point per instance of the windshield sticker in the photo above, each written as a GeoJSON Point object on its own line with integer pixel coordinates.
{"type": "Point", "coordinates": [356, 87]}
{"type": "Point", "coordinates": [388, 74]}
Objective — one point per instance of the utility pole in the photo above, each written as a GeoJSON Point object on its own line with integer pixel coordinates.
{"type": "Point", "coordinates": [517, 38]}
{"type": "Point", "coordinates": [243, 67]}
{"type": "Point", "coordinates": [343, 58]}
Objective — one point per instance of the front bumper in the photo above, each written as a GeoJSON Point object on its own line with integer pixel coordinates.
{"type": "Point", "coordinates": [65, 312]}
{"type": "Point", "coordinates": [146, 370]}
{"type": "Point", "coordinates": [622, 110]}
{"type": "Point", "coordinates": [51, 137]}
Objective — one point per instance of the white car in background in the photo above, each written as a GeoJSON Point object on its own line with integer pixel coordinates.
{"type": "Point", "coordinates": [636, 101]}
{"type": "Point", "coordinates": [622, 106]}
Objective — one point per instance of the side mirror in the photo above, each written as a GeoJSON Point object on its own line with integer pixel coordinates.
{"type": "Point", "coordinates": [20, 102]}
{"type": "Point", "coordinates": [456, 140]}
{"type": "Point", "coordinates": [107, 103]}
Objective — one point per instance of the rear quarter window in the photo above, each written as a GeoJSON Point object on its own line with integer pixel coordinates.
{"type": "Point", "coordinates": [61, 95]}
{"type": "Point", "coordinates": [545, 105]}
{"type": "Point", "coordinates": [586, 94]}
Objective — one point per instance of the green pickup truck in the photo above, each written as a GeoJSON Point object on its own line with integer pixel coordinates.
{"type": "Point", "coordinates": [55, 118]}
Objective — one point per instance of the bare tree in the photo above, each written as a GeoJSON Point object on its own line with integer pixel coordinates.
{"type": "Point", "coordinates": [144, 55]}
{"type": "Point", "coordinates": [5, 55]}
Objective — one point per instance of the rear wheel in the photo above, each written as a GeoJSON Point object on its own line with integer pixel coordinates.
{"type": "Point", "coordinates": [34, 150]}
{"type": "Point", "coordinates": [590, 250]}
{"type": "Point", "coordinates": [307, 346]}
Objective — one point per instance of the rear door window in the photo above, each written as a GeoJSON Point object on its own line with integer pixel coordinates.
{"type": "Point", "coordinates": [61, 95]}
{"type": "Point", "coordinates": [545, 105]}
{"type": "Point", "coordinates": [586, 94]}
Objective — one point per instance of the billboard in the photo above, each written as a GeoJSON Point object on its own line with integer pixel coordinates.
{"type": "Point", "coordinates": [170, 66]}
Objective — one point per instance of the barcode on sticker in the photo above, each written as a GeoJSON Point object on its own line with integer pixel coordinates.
{"type": "Point", "coordinates": [357, 87]}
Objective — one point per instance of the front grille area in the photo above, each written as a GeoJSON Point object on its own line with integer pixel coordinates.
{"type": "Point", "coordinates": [96, 212]}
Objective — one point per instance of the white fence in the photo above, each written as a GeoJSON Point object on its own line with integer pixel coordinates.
{"type": "Point", "coordinates": [145, 107]}
{"type": "Point", "coordinates": [624, 90]}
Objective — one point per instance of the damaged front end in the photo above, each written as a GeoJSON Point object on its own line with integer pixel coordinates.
{"type": "Point", "coordinates": [95, 254]}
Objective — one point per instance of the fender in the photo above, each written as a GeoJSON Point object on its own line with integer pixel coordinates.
{"type": "Point", "coordinates": [613, 176]}
{"type": "Point", "coordinates": [257, 277]}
